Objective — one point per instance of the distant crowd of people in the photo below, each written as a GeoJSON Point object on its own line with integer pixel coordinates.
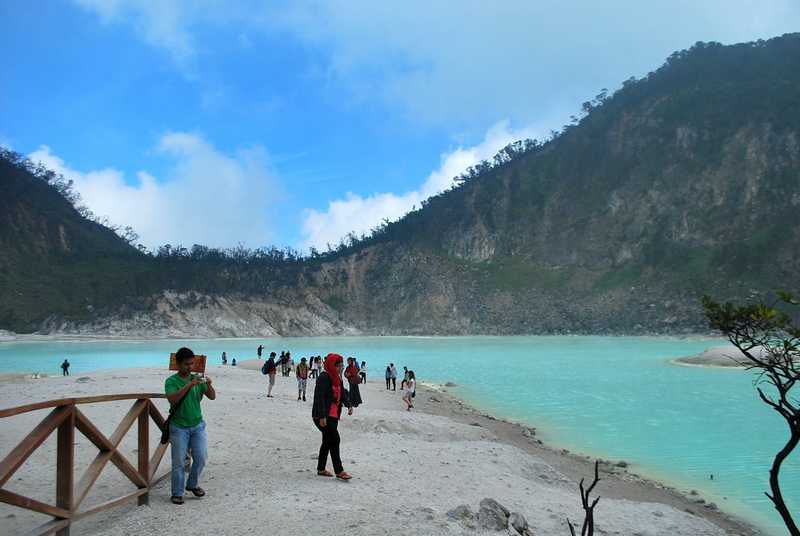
{"type": "Point", "coordinates": [336, 386]}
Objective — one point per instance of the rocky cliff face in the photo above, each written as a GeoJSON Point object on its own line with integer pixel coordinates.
{"type": "Point", "coordinates": [191, 314]}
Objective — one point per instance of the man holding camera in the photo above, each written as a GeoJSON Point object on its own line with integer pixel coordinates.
{"type": "Point", "coordinates": [187, 430]}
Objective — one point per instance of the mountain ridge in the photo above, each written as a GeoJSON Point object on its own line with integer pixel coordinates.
{"type": "Point", "coordinates": [681, 183]}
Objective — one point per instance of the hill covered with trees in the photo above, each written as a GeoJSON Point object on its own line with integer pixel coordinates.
{"type": "Point", "coordinates": [681, 183]}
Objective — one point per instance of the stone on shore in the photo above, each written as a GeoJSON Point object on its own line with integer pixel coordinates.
{"type": "Point", "coordinates": [493, 515]}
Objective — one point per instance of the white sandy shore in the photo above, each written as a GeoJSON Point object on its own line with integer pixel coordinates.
{"type": "Point", "coordinates": [409, 469]}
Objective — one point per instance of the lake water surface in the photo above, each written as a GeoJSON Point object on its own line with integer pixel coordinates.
{"type": "Point", "coordinates": [611, 397]}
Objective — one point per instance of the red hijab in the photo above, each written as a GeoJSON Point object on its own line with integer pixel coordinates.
{"type": "Point", "coordinates": [330, 367]}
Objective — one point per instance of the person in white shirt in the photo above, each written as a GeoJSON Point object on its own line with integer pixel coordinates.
{"type": "Point", "coordinates": [363, 372]}
{"type": "Point", "coordinates": [411, 390]}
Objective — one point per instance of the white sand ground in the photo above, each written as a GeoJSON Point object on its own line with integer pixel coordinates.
{"type": "Point", "coordinates": [409, 469]}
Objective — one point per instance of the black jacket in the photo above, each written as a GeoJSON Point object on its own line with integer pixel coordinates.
{"type": "Point", "coordinates": [323, 397]}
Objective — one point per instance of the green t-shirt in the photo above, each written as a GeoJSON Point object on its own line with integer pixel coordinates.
{"type": "Point", "coordinates": [188, 414]}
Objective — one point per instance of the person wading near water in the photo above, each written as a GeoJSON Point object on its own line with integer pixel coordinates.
{"type": "Point", "coordinates": [329, 397]}
{"type": "Point", "coordinates": [187, 430]}
{"type": "Point", "coordinates": [270, 369]}
{"type": "Point", "coordinates": [302, 379]}
{"type": "Point", "coordinates": [353, 379]}
{"type": "Point", "coordinates": [65, 368]}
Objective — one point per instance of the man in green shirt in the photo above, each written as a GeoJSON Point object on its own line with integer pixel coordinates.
{"type": "Point", "coordinates": [187, 428]}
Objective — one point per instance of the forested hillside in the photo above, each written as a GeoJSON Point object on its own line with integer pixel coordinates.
{"type": "Point", "coordinates": [684, 182]}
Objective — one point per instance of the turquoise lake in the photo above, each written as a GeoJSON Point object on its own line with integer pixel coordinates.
{"type": "Point", "coordinates": [612, 397]}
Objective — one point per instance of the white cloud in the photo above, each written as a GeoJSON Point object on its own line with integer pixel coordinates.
{"type": "Point", "coordinates": [163, 24]}
{"type": "Point", "coordinates": [461, 64]}
{"type": "Point", "coordinates": [359, 214]}
{"type": "Point", "coordinates": [473, 61]}
{"type": "Point", "coordinates": [207, 198]}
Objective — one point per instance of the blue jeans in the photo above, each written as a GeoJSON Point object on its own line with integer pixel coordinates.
{"type": "Point", "coordinates": [181, 440]}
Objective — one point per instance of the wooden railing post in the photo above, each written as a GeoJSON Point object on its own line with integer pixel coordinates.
{"type": "Point", "coordinates": [65, 465]}
{"type": "Point", "coordinates": [144, 450]}
{"type": "Point", "coordinates": [65, 418]}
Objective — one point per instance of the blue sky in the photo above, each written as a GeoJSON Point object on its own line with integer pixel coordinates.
{"type": "Point", "coordinates": [292, 123]}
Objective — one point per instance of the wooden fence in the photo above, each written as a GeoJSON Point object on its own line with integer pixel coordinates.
{"type": "Point", "coordinates": [66, 418]}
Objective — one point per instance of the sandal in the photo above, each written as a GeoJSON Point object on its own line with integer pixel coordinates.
{"type": "Point", "coordinates": [198, 492]}
{"type": "Point", "coordinates": [177, 500]}
{"type": "Point", "coordinates": [324, 473]}
{"type": "Point", "coordinates": [343, 476]}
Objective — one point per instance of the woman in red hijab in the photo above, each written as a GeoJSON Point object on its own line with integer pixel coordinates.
{"type": "Point", "coordinates": [329, 397]}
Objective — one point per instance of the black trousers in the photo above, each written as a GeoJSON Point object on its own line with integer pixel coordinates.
{"type": "Point", "coordinates": [330, 444]}
{"type": "Point", "coordinates": [388, 384]}
{"type": "Point", "coordinates": [394, 384]}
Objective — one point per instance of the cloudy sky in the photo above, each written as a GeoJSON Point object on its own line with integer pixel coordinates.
{"type": "Point", "coordinates": [292, 123]}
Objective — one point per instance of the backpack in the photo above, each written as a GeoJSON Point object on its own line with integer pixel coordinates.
{"type": "Point", "coordinates": [264, 370]}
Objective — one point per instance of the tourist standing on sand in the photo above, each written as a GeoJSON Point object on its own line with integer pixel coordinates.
{"type": "Point", "coordinates": [187, 430]}
{"type": "Point", "coordinates": [388, 377]}
{"type": "Point", "coordinates": [224, 358]}
{"type": "Point", "coordinates": [270, 369]}
{"type": "Point", "coordinates": [393, 376]}
{"type": "Point", "coordinates": [233, 363]}
{"type": "Point", "coordinates": [259, 350]}
{"type": "Point", "coordinates": [329, 397]}
{"type": "Point", "coordinates": [411, 390]}
{"type": "Point", "coordinates": [314, 367]}
{"type": "Point", "coordinates": [363, 372]}
{"type": "Point", "coordinates": [65, 368]}
{"type": "Point", "coordinates": [302, 379]}
{"type": "Point", "coordinates": [405, 378]}
{"type": "Point", "coordinates": [351, 373]}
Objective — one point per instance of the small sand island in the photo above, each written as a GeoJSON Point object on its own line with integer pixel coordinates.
{"type": "Point", "coordinates": [443, 468]}
{"type": "Point", "coordinates": [717, 356]}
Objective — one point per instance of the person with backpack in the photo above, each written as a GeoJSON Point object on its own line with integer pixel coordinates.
{"type": "Point", "coordinates": [187, 429]}
{"type": "Point", "coordinates": [270, 369]}
{"type": "Point", "coordinates": [329, 398]}
{"type": "Point", "coordinates": [302, 378]}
